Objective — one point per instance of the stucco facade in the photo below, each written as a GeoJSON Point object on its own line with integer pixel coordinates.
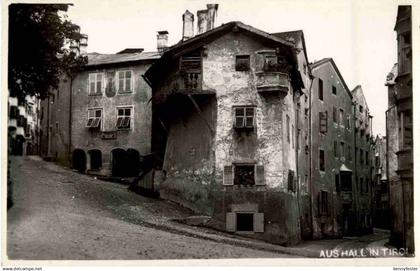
{"type": "Point", "coordinates": [204, 174]}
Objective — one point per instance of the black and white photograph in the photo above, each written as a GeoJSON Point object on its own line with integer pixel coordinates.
{"type": "Point", "coordinates": [204, 131]}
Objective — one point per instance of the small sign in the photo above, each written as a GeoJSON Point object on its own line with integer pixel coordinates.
{"type": "Point", "coordinates": [109, 135]}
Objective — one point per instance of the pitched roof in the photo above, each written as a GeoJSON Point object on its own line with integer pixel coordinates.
{"type": "Point", "coordinates": [330, 60]}
{"type": "Point", "coordinates": [293, 36]}
{"type": "Point", "coordinates": [95, 59]}
{"type": "Point", "coordinates": [362, 95]}
{"type": "Point", "coordinates": [206, 37]}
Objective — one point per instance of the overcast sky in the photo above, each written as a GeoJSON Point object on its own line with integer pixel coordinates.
{"type": "Point", "coordinates": [358, 35]}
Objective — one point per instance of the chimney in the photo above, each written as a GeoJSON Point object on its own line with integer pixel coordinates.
{"type": "Point", "coordinates": [211, 15]}
{"type": "Point", "coordinates": [83, 43]}
{"type": "Point", "coordinates": [201, 21]}
{"type": "Point", "coordinates": [162, 41]}
{"type": "Point", "coordinates": [187, 25]}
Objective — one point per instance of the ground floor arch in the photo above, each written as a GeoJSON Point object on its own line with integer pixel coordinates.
{"type": "Point", "coordinates": [79, 160]}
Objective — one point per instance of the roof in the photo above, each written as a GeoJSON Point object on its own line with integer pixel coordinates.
{"type": "Point", "coordinates": [343, 168]}
{"type": "Point", "coordinates": [95, 59]}
{"type": "Point", "coordinates": [293, 36]}
{"type": "Point", "coordinates": [363, 95]}
{"type": "Point", "coordinates": [323, 61]}
{"type": "Point", "coordinates": [131, 51]}
{"type": "Point", "coordinates": [206, 37]}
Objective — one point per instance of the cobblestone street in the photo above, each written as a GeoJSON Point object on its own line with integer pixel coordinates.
{"type": "Point", "coordinates": [62, 215]}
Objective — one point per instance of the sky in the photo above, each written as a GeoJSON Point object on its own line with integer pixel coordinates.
{"type": "Point", "coordinates": [358, 34]}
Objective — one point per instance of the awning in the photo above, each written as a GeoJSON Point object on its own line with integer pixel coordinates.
{"type": "Point", "coordinates": [343, 168]}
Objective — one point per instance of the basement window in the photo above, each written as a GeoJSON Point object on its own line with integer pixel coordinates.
{"type": "Point", "coordinates": [242, 63]}
{"type": "Point", "coordinates": [244, 117]}
{"type": "Point", "coordinates": [94, 118]}
{"type": "Point", "coordinates": [245, 222]}
{"type": "Point", "coordinates": [124, 118]}
{"type": "Point", "coordinates": [244, 175]}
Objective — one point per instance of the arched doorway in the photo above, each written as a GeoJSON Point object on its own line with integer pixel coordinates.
{"type": "Point", "coordinates": [133, 162]}
{"type": "Point", "coordinates": [119, 162]}
{"type": "Point", "coordinates": [95, 159]}
{"type": "Point", "coordinates": [79, 160]}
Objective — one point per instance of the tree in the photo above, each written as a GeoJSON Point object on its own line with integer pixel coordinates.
{"type": "Point", "coordinates": [38, 58]}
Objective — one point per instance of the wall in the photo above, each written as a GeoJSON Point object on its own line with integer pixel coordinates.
{"type": "Point", "coordinates": [331, 224]}
{"type": "Point", "coordinates": [138, 137]}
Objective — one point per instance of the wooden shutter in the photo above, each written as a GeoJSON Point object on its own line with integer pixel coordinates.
{"type": "Point", "coordinates": [323, 122]}
{"type": "Point", "coordinates": [258, 222]}
{"type": "Point", "coordinates": [259, 175]}
{"type": "Point", "coordinates": [231, 222]}
{"type": "Point", "coordinates": [228, 175]}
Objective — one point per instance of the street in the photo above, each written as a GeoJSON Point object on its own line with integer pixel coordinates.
{"type": "Point", "coordinates": [63, 215]}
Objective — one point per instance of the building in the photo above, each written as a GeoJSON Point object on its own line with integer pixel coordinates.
{"type": "Point", "coordinates": [238, 95]}
{"type": "Point", "coordinates": [23, 125]}
{"type": "Point", "coordinates": [400, 145]}
{"type": "Point", "coordinates": [380, 184]}
{"type": "Point", "coordinates": [99, 121]}
{"type": "Point", "coordinates": [332, 156]}
{"type": "Point", "coordinates": [363, 164]}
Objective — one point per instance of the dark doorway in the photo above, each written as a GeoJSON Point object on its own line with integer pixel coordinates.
{"type": "Point", "coordinates": [79, 160]}
{"type": "Point", "coordinates": [18, 145]}
{"type": "Point", "coordinates": [95, 159]}
{"type": "Point", "coordinates": [244, 222]}
{"type": "Point", "coordinates": [133, 162]}
{"type": "Point", "coordinates": [119, 162]}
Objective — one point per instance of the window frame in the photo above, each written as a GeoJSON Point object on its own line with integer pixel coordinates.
{"type": "Point", "coordinates": [131, 123]}
{"type": "Point", "coordinates": [235, 165]}
{"type": "Point", "coordinates": [322, 169]}
{"type": "Point", "coordinates": [320, 89]}
{"type": "Point", "coordinates": [239, 65]}
{"type": "Point", "coordinates": [95, 92]}
{"type": "Point", "coordinates": [117, 83]}
{"type": "Point", "coordinates": [94, 118]}
{"type": "Point", "coordinates": [244, 117]}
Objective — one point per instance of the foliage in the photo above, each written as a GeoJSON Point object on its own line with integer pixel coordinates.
{"type": "Point", "coordinates": [37, 54]}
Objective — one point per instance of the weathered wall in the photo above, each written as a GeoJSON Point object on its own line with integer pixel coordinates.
{"type": "Point", "coordinates": [54, 115]}
{"type": "Point", "coordinates": [363, 166]}
{"type": "Point", "coordinates": [329, 225]}
{"type": "Point", "coordinates": [138, 137]}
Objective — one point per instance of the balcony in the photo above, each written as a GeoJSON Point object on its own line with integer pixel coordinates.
{"type": "Point", "coordinates": [12, 124]}
{"type": "Point", "coordinates": [272, 81]}
{"type": "Point", "coordinates": [22, 111]}
{"type": "Point", "coordinates": [190, 81]}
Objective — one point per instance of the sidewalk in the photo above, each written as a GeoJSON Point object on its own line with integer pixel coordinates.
{"type": "Point", "coordinates": [162, 215]}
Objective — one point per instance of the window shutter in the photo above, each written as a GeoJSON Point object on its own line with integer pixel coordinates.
{"type": "Point", "coordinates": [228, 175]}
{"type": "Point", "coordinates": [230, 222]}
{"type": "Point", "coordinates": [258, 222]}
{"type": "Point", "coordinates": [260, 178]}
{"type": "Point", "coordinates": [323, 122]}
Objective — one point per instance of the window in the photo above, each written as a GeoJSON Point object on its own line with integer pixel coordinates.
{"type": "Point", "coordinates": [349, 156]}
{"type": "Point", "coordinates": [348, 121]}
{"type": "Point", "coordinates": [288, 128]}
{"type": "Point", "coordinates": [244, 222]}
{"type": "Point", "coordinates": [323, 203]}
{"type": "Point", "coordinates": [346, 182]}
{"type": "Point", "coordinates": [341, 117]}
{"type": "Point", "coordinates": [270, 63]}
{"type": "Point", "coordinates": [320, 89]}
{"type": "Point", "coordinates": [244, 117]}
{"type": "Point", "coordinates": [124, 118]}
{"type": "Point", "coordinates": [28, 130]}
{"type": "Point", "coordinates": [361, 157]}
{"type": "Point", "coordinates": [360, 109]}
{"type": "Point", "coordinates": [321, 160]}
{"type": "Point", "coordinates": [367, 158]}
{"type": "Point", "coordinates": [362, 185]}
{"type": "Point", "coordinates": [334, 90]}
{"type": "Point", "coordinates": [337, 183]}
{"type": "Point", "coordinates": [291, 181]}
{"type": "Point", "coordinates": [293, 136]}
{"type": "Point", "coordinates": [95, 83]}
{"type": "Point", "coordinates": [366, 185]}
{"type": "Point", "coordinates": [242, 63]}
{"type": "Point", "coordinates": [57, 127]}
{"type": "Point", "coordinates": [94, 118]}
{"type": "Point", "coordinates": [342, 152]}
{"type": "Point", "coordinates": [125, 81]}
{"type": "Point", "coordinates": [334, 114]}
{"type": "Point", "coordinates": [323, 122]}
{"type": "Point", "coordinates": [244, 175]}
{"type": "Point", "coordinates": [190, 68]}
{"type": "Point", "coordinates": [335, 149]}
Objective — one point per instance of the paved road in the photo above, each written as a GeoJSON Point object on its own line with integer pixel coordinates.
{"type": "Point", "coordinates": [62, 215]}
